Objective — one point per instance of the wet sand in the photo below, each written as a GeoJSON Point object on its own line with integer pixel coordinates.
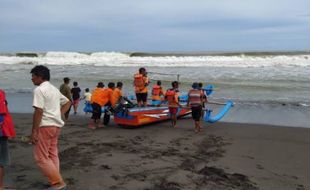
{"type": "Point", "coordinates": [158, 157]}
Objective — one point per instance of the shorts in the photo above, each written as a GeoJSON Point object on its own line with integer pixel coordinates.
{"type": "Point", "coordinates": [4, 152]}
{"type": "Point", "coordinates": [173, 110]}
{"type": "Point", "coordinates": [141, 97]}
{"type": "Point", "coordinates": [76, 102]}
{"type": "Point", "coordinates": [196, 113]}
{"type": "Point", "coordinates": [96, 111]}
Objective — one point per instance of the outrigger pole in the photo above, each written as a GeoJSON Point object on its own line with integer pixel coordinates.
{"type": "Point", "coordinates": [176, 74]}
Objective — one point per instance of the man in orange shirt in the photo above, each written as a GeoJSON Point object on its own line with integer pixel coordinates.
{"type": "Point", "coordinates": [97, 101]}
{"type": "Point", "coordinates": [117, 93]}
{"type": "Point", "coordinates": [108, 93]}
{"type": "Point", "coordinates": [141, 81]}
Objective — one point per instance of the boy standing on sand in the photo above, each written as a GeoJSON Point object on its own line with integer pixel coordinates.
{"type": "Point", "coordinates": [49, 106]}
{"type": "Point", "coordinates": [172, 96]}
{"type": "Point", "coordinates": [6, 131]}
{"type": "Point", "coordinates": [75, 91]}
{"type": "Point", "coordinates": [195, 101]}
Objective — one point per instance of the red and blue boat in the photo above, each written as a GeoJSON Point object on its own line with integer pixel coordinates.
{"type": "Point", "coordinates": [146, 115]}
{"type": "Point", "coordinates": [128, 114]}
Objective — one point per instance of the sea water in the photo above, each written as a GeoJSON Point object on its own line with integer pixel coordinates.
{"type": "Point", "coordinates": [267, 87]}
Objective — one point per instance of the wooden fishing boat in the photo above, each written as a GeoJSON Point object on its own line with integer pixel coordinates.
{"type": "Point", "coordinates": [138, 116]}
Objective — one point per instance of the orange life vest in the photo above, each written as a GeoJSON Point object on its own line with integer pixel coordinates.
{"type": "Point", "coordinates": [117, 93]}
{"type": "Point", "coordinates": [138, 81]}
{"type": "Point", "coordinates": [156, 90]}
{"type": "Point", "coordinates": [171, 97]}
{"type": "Point", "coordinates": [99, 96]}
{"type": "Point", "coordinates": [195, 97]}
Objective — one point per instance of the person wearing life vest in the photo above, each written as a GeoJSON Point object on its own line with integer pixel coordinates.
{"type": "Point", "coordinates": [107, 96]}
{"type": "Point", "coordinates": [157, 93]}
{"type": "Point", "coordinates": [141, 81]}
{"type": "Point", "coordinates": [6, 131]}
{"type": "Point", "coordinates": [97, 101]}
{"type": "Point", "coordinates": [172, 97]}
{"type": "Point", "coordinates": [117, 94]}
{"type": "Point", "coordinates": [195, 101]}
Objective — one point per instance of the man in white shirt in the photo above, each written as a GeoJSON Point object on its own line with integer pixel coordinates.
{"type": "Point", "coordinates": [49, 106]}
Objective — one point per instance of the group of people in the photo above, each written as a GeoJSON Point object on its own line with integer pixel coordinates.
{"type": "Point", "coordinates": [196, 97]}
{"type": "Point", "coordinates": [73, 94]}
{"type": "Point", "coordinates": [109, 97]}
{"type": "Point", "coordinates": [104, 97]}
{"type": "Point", "coordinates": [51, 105]}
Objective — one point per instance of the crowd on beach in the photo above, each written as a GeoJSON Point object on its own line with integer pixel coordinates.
{"type": "Point", "coordinates": [52, 107]}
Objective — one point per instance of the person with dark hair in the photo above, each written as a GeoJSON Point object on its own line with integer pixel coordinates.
{"type": "Point", "coordinates": [6, 131]}
{"type": "Point", "coordinates": [66, 91]}
{"type": "Point", "coordinates": [87, 96]}
{"type": "Point", "coordinates": [195, 101]}
{"type": "Point", "coordinates": [108, 93]}
{"type": "Point", "coordinates": [117, 94]}
{"type": "Point", "coordinates": [75, 91]}
{"type": "Point", "coordinates": [49, 106]}
{"type": "Point", "coordinates": [172, 96]}
{"type": "Point", "coordinates": [97, 102]}
{"type": "Point", "coordinates": [200, 87]}
{"type": "Point", "coordinates": [41, 71]}
{"type": "Point", "coordinates": [157, 94]}
{"type": "Point", "coordinates": [141, 81]}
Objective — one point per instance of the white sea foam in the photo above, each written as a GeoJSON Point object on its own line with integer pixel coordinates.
{"type": "Point", "coordinates": [122, 59]}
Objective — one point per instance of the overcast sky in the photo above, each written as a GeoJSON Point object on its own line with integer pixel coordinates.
{"type": "Point", "coordinates": [154, 25]}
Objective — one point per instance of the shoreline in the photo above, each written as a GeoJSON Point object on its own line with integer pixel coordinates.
{"type": "Point", "coordinates": [223, 156]}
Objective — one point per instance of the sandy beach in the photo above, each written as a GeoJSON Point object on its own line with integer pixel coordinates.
{"type": "Point", "coordinates": [158, 157]}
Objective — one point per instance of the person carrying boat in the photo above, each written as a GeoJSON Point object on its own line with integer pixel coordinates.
{"type": "Point", "coordinates": [141, 81]}
{"type": "Point", "coordinates": [172, 96]}
{"type": "Point", "coordinates": [107, 97]}
{"type": "Point", "coordinates": [195, 102]}
{"type": "Point", "coordinates": [157, 93]}
{"type": "Point", "coordinates": [97, 101]}
{"type": "Point", "coordinates": [117, 94]}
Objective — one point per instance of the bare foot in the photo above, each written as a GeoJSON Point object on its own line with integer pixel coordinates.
{"type": "Point", "coordinates": [91, 127]}
{"type": "Point", "coordinates": [57, 187]}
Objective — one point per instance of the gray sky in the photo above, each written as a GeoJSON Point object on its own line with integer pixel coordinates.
{"type": "Point", "coordinates": [158, 25]}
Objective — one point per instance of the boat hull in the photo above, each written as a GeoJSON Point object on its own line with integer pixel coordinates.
{"type": "Point", "coordinates": [136, 117]}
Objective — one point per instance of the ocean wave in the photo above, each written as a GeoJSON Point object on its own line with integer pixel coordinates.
{"type": "Point", "coordinates": [18, 91]}
{"type": "Point", "coordinates": [117, 59]}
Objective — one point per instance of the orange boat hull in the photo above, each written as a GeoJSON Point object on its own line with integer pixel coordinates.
{"type": "Point", "coordinates": [142, 116]}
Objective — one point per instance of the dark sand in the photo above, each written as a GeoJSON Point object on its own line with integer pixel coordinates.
{"type": "Point", "coordinates": [158, 157]}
